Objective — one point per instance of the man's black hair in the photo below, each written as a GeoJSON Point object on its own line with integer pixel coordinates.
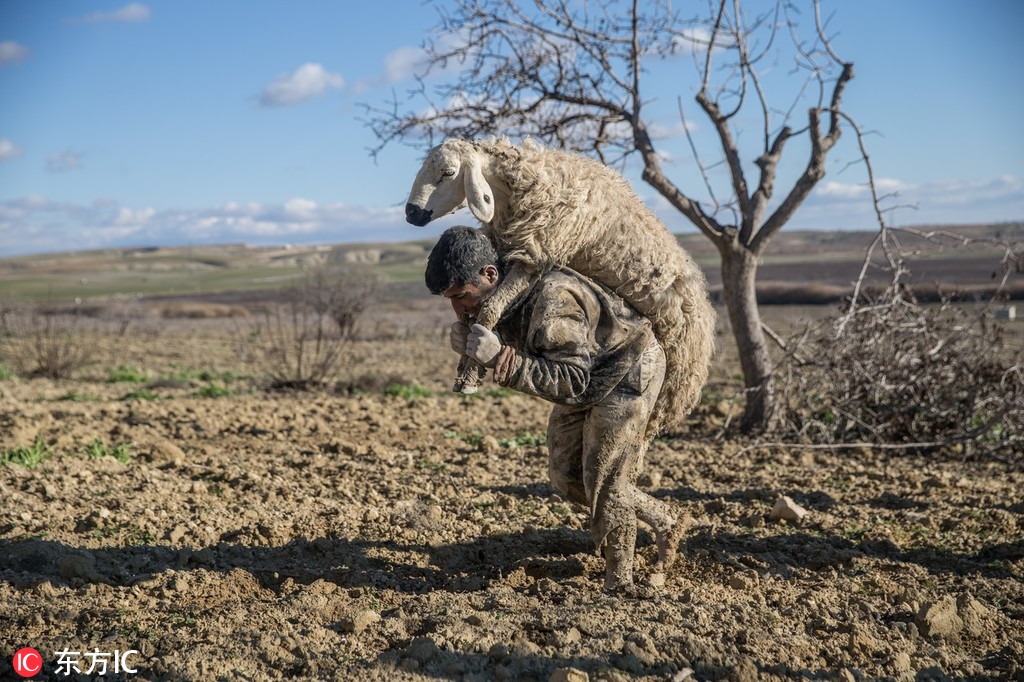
{"type": "Point", "coordinates": [458, 258]}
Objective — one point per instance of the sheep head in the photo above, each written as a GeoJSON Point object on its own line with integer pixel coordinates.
{"type": "Point", "coordinates": [451, 176]}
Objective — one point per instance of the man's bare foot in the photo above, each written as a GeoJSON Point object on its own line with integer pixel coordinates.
{"type": "Point", "coordinates": [668, 543]}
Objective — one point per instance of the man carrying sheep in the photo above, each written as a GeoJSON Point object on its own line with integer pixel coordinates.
{"type": "Point", "coordinates": [574, 343]}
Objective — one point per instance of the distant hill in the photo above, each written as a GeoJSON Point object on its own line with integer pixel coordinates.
{"type": "Point", "coordinates": [800, 266]}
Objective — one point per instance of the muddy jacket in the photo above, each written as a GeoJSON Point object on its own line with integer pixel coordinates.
{"type": "Point", "coordinates": [569, 340]}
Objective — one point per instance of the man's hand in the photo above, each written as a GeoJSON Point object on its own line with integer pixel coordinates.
{"type": "Point", "coordinates": [457, 337]}
{"type": "Point", "coordinates": [483, 345]}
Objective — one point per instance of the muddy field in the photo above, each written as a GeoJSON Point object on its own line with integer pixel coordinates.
{"type": "Point", "coordinates": [388, 529]}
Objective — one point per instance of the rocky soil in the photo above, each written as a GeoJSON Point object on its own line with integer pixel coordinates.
{"type": "Point", "coordinates": [364, 532]}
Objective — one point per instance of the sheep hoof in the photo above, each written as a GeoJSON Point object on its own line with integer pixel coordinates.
{"type": "Point", "coordinates": [470, 377]}
{"type": "Point", "coordinates": [465, 388]}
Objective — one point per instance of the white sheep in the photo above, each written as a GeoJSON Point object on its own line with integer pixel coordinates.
{"type": "Point", "coordinates": [542, 208]}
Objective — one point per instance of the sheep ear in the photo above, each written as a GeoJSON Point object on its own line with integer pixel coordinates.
{"type": "Point", "coordinates": [478, 193]}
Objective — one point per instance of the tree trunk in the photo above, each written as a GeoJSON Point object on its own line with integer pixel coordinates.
{"type": "Point", "coordinates": [739, 277]}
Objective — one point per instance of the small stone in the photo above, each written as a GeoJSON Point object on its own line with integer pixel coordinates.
{"type": "Point", "coordinates": [360, 621]}
{"type": "Point", "coordinates": [166, 452]}
{"type": "Point", "coordinates": [489, 445]}
{"type": "Point", "coordinates": [754, 520]}
{"type": "Point", "coordinates": [743, 581]}
{"type": "Point", "coordinates": [788, 510]}
{"type": "Point", "coordinates": [569, 675]}
{"type": "Point", "coordinates": [974, 615]}
{"type": "Point", "coordinates": [421, 649]}
{"type": "Point", "coordinates": [524, 648]}
{"type": "Point", "coordinates": [656, 580]}
{"type": "Point", "coordinates": [79, 566]}
{"type": "Point", "coordinates": [683, 675]}
{"type": "Point", "coordinates": [939, 619]}
{"type": "Point", "coordinates": [476, 619]}
{"type": "Point", "coordinates": [571, 636]}
{"type": "Point", "coordinates": [650, 480]}
{"type": "Point", "coordinates": [498, 652]}
{"type": "Point", "coordinates": [177, 534]}
{"type": "Point", "coordinates": [901, 662]}
{"type": "Point", "coordinates": [738, 582]}
{"type": "Point", "coordinates": [862, 644]}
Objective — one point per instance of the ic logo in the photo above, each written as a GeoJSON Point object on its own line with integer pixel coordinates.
{"type": "Point", "coordinates": [27, 662]}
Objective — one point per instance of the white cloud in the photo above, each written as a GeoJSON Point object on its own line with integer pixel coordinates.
{"type": "Point", "coordinates": [64, 162]}
{"type": "Point", "coordinates": [301, 209]}
{"type": "Point", "coordinates": [306, 82]}
{"type": "Point", "coordinates": [127, 217]}
{"type": "Point", "coordinates": [660, 131]}
{"type": "Point", "coordinates": [408, 60]}
{"type": "Point", "coordinates": [840, 190]}
{"type": "Point", "coordinates": [403, 62]}
{"type": "Point", "coordinates": [12, 52]}
{"type": "Point", "coordinates": [35, 224]}
{"type": "Point", "coordinates": [8, 150]}
{"type": "Point", "coordinates": [695, 41]}
{"type": "Point", "coordinates": [133, 13]}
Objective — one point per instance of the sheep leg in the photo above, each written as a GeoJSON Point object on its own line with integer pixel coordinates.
{"type": "Point", "coordinates": [470, 373]}
{"type": "Point", "coordinates": [470, 376]}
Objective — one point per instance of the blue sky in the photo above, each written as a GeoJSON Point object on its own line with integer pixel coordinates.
{"type": "Point", "coordinates": [171, 122]}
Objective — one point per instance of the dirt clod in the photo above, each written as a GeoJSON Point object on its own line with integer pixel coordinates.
{"type": "Point", "coordinates": [939, 619]}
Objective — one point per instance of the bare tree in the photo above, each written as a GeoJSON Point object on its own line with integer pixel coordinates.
{"type": "Point", "coordinates": [577, 75]}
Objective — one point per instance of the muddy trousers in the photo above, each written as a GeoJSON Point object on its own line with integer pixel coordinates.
{"type": "Point", "coordinates": [595, 456]}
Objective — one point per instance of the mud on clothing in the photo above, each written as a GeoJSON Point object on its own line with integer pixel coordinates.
{"type": "Point", "coordinates": [571, 341]}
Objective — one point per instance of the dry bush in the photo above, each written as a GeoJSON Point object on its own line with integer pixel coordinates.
{"type": "Point", "coordinates": [340, 293]}
{"type": "Point", "coordinates": [300, 342]}
{"type": "Point", "coordinates": [899, 374]}
{"type": "Point", "coordinates": [39, 341]}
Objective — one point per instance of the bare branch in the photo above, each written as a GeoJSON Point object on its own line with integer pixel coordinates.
{"type": "Point", "coordinates": [815, 169]}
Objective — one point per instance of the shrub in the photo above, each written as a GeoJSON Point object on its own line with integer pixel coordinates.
{"type": "Point", "coordinates": [293, 343]}
{"type": "Point", "coordinates": [901, 374]}
{"type": "Point", "coordinates": [40, 342]}
{"type": "Point", "coordinates": [339, 293]}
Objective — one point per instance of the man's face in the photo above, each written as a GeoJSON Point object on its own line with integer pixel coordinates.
{"type": "Point", "coordinates": [466, 298]}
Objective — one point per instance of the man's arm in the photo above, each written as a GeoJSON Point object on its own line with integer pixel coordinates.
{"type": "Point", "coordinates": [556, 363]}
